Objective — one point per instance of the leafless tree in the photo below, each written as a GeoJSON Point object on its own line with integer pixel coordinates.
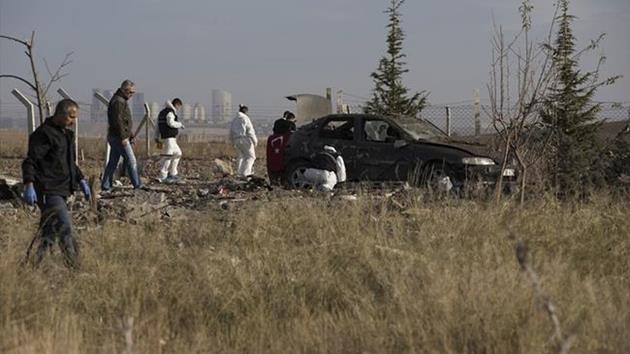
{"type": "Point", "coordinates": [520, 76]}
{"type": "Point", "coordinates": [40, 91]}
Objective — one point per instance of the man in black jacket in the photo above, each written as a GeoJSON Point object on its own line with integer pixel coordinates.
{"type": "Point", "coordinates": [50, 175]}
{"type": "Point", "coordinates": [120, 136]}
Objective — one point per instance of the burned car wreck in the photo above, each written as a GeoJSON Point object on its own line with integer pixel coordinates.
{"type": "Point", "coordinates": [379, 148]}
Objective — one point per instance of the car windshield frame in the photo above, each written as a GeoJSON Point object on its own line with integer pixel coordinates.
{"type": "Point", "coordinates": [419, 129]}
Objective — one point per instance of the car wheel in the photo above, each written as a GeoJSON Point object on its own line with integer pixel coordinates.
{"type": "Point", "coordinates": [295, 175]}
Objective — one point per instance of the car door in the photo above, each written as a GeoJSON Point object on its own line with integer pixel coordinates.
{"type": "Point", "coordinates": [340, 133]}
{"type": "Point", "coordinates": [378, 151]}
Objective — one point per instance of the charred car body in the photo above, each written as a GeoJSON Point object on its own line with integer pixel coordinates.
{"type": "Point", "coordinates": [379, 148]}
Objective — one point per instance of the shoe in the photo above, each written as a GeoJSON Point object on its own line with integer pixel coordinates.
{"type": "Point", "coordinates": [173, 179]}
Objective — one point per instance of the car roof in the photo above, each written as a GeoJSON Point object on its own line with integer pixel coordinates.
{"type": "Point", "coordinates": [353, 116]}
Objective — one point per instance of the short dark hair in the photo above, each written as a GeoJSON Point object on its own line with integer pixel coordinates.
{"type": "Point", "coordinates": [176, 101]}
{"type": "Point", "coordinates": [285, 114]}
{"type": "Point", "coordinates": [290, 116]}
{"type": "Point", "coordinates": [63, 107]}
{"type": "Point", "coordinates": [242, 108]}
{"type": "Point", "coordinates": [127, 84]}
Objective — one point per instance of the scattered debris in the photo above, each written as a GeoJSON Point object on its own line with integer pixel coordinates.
{"type": "Point", "coordinates": [6, 206]}
{"type": "Point", "coordinates": [222, 168]}
{"type": "Point", "coordinates": [10, 188]}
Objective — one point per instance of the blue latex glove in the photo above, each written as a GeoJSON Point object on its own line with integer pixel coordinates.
{"type": "Point", "coordinates": [30, 197]}
{"type": "Point", "coordinates": [85, 188]}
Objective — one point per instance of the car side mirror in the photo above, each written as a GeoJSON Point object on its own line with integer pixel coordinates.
{"type": "Point", "coordinates": [400, 143]}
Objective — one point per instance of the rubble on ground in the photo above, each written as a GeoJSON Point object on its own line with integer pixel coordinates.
{"type": "Point", "coordinates": [10, 188]}
{"type": "Point", "coordinates": [187, 198]}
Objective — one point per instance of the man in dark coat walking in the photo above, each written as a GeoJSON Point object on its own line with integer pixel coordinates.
{"type": "Point", "coordinates": [50, 175]}
{"type": "Point", "coordinates": [120, 137]}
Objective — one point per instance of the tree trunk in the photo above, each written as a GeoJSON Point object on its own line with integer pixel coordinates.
{"type": "Point", "coordinates": [38, 90]}
{"type": "Point", "coordinates": [499, 186]}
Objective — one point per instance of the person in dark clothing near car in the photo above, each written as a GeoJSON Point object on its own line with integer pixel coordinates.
{"type": "Point", "coordinates": [50, 175]}
{"type": "Point", "coordinates": [287, 117]}
{"type": "Point", "coordinates": [120, 136]}
{"type": "Point", "coordinates": [290, 117]}
{"type": "Point", "coordinates": [327, 169]}
{"type": "Point", "coordinates": [275, 151]}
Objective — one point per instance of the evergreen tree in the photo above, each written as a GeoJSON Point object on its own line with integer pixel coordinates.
{"type": "Point", "coordinates": [570, 112]}
{"type": "Point", "coordinates": [390, 96]}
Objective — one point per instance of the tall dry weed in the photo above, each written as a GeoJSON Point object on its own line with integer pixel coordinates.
{"type": "Point", "coordinates": [312, 274]}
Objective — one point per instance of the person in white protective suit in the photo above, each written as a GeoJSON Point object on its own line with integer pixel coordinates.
{"type": "Point", "coordinates": [243, 137]}
{"type": "Point", "coordinates": [328, 169]}
{"type": "Point", "coordinates": [168, 128]}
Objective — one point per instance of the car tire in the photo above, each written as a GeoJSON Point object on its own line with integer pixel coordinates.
{"type": "Point", "coordinates": [294, 176]}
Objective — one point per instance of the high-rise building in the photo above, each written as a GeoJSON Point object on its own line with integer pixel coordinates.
{"type": "Point", "coordinates": [202, 113]}
{"type": "Point", "coordinates": [186, 113]}
{"type": "Point", "coordinates": [221, 106]}
{"type": "Point", "coordinates": [136, 104]}
{"type": "Point", "coordinates": [155, 109]}
{"type": "Point", "coordinates": [199, 113]}
{"type": "Point", "coordinates": [98, 111]}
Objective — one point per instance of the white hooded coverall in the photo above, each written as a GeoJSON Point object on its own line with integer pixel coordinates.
{"type": "Point", "coordinates": [171, 153]}
{"type": "Point", "coordinates": [243, 137]}
{"type": "Point", "coordinates": [324, 180]}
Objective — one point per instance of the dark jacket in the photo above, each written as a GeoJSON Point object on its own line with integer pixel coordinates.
{"type": "Point", "coordinates": [281, 126]}
{"type": "Point", "coordinates": [325, 161]}
{"type": "Point", "coordinates": [50, 161]}
{"type": "Point", "coordinates": [119, 117]}
{"type": "Point", "coordinates": [167, 131]}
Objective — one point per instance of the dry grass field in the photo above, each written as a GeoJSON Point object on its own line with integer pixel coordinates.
{"type": "Point", "coordinates": [309, 273]}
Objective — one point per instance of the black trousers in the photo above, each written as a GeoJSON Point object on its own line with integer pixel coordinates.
{"type": "Point", "coordinates": [56, 224]}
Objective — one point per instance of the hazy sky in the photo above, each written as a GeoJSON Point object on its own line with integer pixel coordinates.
{"type": "Point", "coordinates": [264, 50]}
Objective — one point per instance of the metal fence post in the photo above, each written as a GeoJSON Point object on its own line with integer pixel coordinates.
{"type": "Point", "coordinates": [65, 94]}
{"type": "Point", "coordinates": [49, 108]}
{"type": "Point", "coordinates": [104, 101]}
{"type": "Point", "coordinates": [147, 111]}
{"type": "Point", "coordinates": [448, 121]}
{"type": "Point", "coordinates": [477, 114]}
{"type": "Point", "coordinates": [30, 109]}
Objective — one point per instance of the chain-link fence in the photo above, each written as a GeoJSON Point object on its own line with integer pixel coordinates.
{"type": "Point", "coordinates": [465, 119]}
{"type": "Point", "coordinates": [474, 120]}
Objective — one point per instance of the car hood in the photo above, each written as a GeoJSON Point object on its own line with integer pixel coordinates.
{"type": "Point", "coordinates": [474, 149]}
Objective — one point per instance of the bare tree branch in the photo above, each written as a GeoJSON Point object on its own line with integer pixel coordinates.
{"type": "Point", "coordinates": [58, 74]}
{"type": "Point", "coordinates": [19, 78]}
{"type": "Point", "coordinates": [25, 43]}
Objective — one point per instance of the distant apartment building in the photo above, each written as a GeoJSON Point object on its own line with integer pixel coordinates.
{"type": "Point", "coordinates": [221, 106]}
{"type": "Point", "coordinates": [186, 113]}
{"type": "Point", "coordinates": [136, 104]}
{"type": "Point", "coordinates": [98, 111]}
{"type": "Point", "coordinates": [155, 110]}
{"type": "Point", "coordinates": [199, 113]}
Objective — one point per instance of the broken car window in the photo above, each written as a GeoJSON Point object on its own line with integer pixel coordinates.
{"type": "Point", "coordinates": [379, 131]}
{"type": "Point", "coordinates": [338, 129]}
{"type": "Point", "coordinates": [420, 129]}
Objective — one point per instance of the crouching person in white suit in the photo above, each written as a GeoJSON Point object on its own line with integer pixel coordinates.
{"type": "Point", "coordinates": [168, 128]}
{"type": "Point", "coordinates": [243, 137]}
{"type": "Point", "coordinates": [328, 170]}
